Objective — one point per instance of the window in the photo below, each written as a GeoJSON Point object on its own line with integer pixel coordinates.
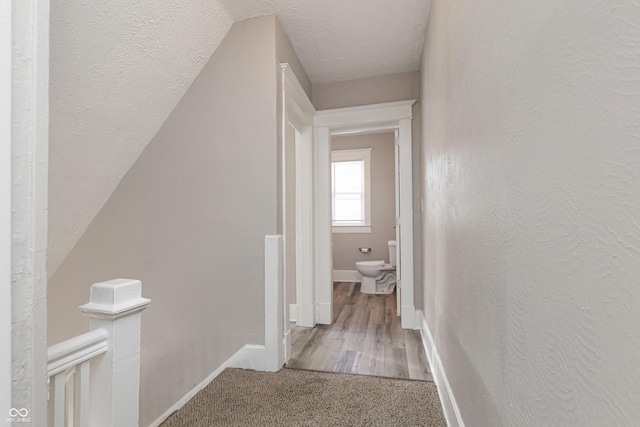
{"type": "Point", "coordinates": [350, 191]}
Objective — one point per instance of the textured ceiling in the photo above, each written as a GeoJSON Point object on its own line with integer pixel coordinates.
{"type": "Point", "coordinates": [339, 40]}
{"type": "Point", "coordinates": [119, 68]}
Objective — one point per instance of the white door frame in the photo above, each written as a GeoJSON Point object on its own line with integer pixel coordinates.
{"type": "Point", "coordinates": [298, 112]}
{"type": "Point", "coordinates": [391, 115]}
{"type": "Point", "coordinates": [24, 136]}
{"type": "Point", "coordinates": [396, 169]}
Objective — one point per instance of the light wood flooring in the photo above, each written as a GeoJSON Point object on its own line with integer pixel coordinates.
{"type": "Point", "coordinates": [365, 338]}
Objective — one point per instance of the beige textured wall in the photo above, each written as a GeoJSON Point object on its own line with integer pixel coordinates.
{"type": "Point", "coordinates": [531, 160]}
{"type": "Point", "coordinates": [286, 54]}
{"type": "Point", "coordinates": [345, 245]}
{"type": "Point", "coordinates": [189, 220]}
{"type": "Point", "coordinates": [369, 90]}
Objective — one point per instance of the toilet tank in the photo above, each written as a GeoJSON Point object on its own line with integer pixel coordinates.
{"type": "Point", "coordinates": [392, 252]}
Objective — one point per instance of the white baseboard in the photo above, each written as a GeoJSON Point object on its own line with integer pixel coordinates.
{"type": "Point", "coordinates": [293, 312]}
{"type": "Point", "coordinates": [324, 313]}
{"type": "Point", "coordinates": [447, 398]}
{"type": "Point", "coordinates": [409, 317]}
{"type": "Point", "coordinates": [248, 357]}
{"type": "Point", "coordinates": [346, 276]}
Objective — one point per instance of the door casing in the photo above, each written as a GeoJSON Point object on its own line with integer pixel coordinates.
{"type": "Point", "coordinates": [391, 116]}
{"type": "Point", "coordinates": [298, 113]}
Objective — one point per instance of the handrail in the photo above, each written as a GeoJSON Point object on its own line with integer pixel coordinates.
{"type": "Point", "coordinates": [76, 350]}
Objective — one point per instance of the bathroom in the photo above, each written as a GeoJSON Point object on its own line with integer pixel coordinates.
{"type": "Point", "coordinates": [362, 231]}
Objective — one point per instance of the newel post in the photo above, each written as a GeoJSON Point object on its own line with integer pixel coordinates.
{"type": "Point", "coordinates": [116, 307]}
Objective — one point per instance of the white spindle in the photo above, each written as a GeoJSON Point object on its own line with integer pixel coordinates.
{"type": "Point", "coordinates": [50, 406]}
{"type": "Point", "coordinates": [81, 395]}
{"type": "Point", "coordinates": [69, 393]}
{"type": "Point", "coordinates": [57, 393]}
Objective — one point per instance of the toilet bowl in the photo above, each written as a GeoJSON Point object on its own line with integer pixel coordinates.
{"type": "Point", "coordinates": [379, 277]}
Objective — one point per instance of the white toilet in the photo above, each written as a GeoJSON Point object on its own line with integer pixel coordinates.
{"type": "Point", "coordinates": [377, 276]}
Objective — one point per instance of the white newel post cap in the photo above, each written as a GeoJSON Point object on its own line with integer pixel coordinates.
{"type": "Point", "coordinates": [115, 298]}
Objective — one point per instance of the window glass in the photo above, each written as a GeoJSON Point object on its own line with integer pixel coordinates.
{"type": "Point", "coordinates": [350, 190]}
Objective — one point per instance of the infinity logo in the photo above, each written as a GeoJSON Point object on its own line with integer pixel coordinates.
{"type": "Point", "coordinates": [14, 413]}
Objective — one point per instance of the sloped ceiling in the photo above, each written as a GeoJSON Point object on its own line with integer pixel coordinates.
{"type": "Point", "coordinates": [118, 69]}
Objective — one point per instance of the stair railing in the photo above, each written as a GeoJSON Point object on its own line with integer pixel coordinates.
{"type": "Point", "coordinates": [94, 378]}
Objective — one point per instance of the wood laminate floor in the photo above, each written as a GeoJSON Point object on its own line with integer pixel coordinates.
{"type": "Point", "coordinates": [365, 338]}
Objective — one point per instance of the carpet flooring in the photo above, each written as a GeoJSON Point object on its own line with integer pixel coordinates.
{"type": "Point", "coordinates": [239, 397]}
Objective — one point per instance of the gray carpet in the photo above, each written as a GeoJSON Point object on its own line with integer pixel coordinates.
{"type": "Point", "coordinates": [290, 397]}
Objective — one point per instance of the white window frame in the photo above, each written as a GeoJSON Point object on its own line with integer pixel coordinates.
{"type": "Point", "coordinates": [364, 155]}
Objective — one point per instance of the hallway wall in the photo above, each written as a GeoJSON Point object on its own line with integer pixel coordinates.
{"type": "Point", "coordinates": [189, 220]}
{"type": "Point", "coordinates": [531, 240]}
{"type": "Point", "coordinates": [365, 91]}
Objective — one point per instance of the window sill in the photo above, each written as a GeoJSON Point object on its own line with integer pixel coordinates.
{"type": "Point", "coordinates": [351, 229]}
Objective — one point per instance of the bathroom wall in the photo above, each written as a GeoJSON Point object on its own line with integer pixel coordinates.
{"type": "Point", "coordinates": [189, 220]}
{"type": "Point", "coordinates": [531, 160]}
{"type": "Point", "coordinates": [345, 245]}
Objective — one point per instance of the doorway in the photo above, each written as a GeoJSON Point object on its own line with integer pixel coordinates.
{"type": "Point", "coordinates": [393, 117]}
{"type": "Point", "coordinates": [295, 292]}
{"type": "Point", "coordinates": [365, 336]}
{"type": "Point", "coordinates": [307, 244]}
{"type": "Point", "coordinates": [364, 209]}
